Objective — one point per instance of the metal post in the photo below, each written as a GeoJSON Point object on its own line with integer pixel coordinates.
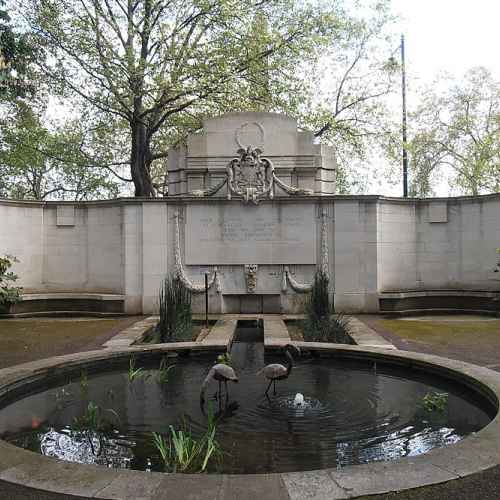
{"type": "Point", "coordinates": [403, 88]}
{"type": "Point", "coordinates": [206, 301]}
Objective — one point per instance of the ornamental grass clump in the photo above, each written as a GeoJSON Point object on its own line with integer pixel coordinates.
{"type": "Point", "coordinates": [320, 325]}
{"type": "Point", "coordinates": [175, 310]}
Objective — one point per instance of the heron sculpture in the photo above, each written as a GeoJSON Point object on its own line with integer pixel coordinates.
{"type": "Point", "coordinates": [276, 371]}
{"type": "Point", "coordinates": [221, 373]}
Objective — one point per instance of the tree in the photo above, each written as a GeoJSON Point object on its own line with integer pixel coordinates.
{"type": "Point", "coordinates": [39, 163]}
{"type": "Point", "coordinates": [158, 66]}
{"type": "Point", "coordinates": [456, 132]}
{"type": "Point", "coordinates": [16, 52]}
{"type": "Point", "coordinates": [349, 109]}
{"type": "Point", "coordinates": [146, 61]}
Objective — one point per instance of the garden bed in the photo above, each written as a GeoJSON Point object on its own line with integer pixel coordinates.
{"type": "Point", "coordinates": [153, 335]}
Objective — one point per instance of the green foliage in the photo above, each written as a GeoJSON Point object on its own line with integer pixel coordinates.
{"type": "Point", "coordinates": [182, 452]}
{"type": "Point", "coordinates": [456, 135]}
{"type": "Point", "coordinates": [435, 401]}
{"type": "Point", "coordinates": [93, 424]}
{"type": "Point", "coordinates": [9, 294]}
{"type": "Point", "coordinates": [135, 373]}
{"type": "Point", "coordinates": [224, 359]}
{"type": "Point", "coordinates": [164, 371]}
{"type": "Point", "coordinates": [160, 67]}
{"type": "Point", "coordinates": [41, 162]}
{"type": "Point", "coordinates": [333, 329]}
{"type": "Point", "coordinates": [318, 305]}
{"type": "Point", "coordinates": [175, 310]}
{"type": "Point", "coordinates": [16, 52]}
{"type": "Point", "coordinates": [319, 324]}
{"type": "Point", "coordinates": [84, 382]}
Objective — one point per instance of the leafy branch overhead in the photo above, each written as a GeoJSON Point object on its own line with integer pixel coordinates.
{"type": "Point", "coordinates": [157, 66]}
{"type": "Point", "coordinates": [455, 135]}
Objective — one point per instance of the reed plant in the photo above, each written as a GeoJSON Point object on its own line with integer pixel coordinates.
{"type": "Point", "coordinates": [320, 324]}
{"type": "Point", "coordinates": [164, 371]}
{"type": "Point", "coordinates": [135, 373]}
{"type": "Point", "coordinates": [182, 452]}
{"type": "Point", "coordinates": [175, 310]}
{"type": "Point", "coordinates": [93, 425]}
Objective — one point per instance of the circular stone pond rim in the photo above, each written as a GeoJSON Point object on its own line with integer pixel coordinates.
{"type": "Point", "coordinates": [23, 471]}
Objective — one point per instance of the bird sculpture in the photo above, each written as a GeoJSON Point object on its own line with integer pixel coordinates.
{"type": "Point", "coordinates": [276, 371]}
{"type": "Point", "coordinates": [221, 373]}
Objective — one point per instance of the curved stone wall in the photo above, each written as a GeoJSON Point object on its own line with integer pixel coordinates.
{"type": "Point", "coordinates": [379, 251]}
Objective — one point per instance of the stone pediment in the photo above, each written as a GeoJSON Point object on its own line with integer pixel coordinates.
{"type": "Point", "coordinates": [275, 134]}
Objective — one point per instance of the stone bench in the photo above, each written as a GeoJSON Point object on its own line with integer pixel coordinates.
{"type": "Point", "coordinates": [68, 303]}
{"type": "Point", "coordinates": [417, 301]}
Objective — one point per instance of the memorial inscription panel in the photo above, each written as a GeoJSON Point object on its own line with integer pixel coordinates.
{"type": "Point", "coordinates": [241, 234]}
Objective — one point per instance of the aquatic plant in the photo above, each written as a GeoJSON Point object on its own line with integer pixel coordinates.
{"type": "Point", "coordinates": [175, 310]}
{"type": "Point", "coordinates": [9, 294]}
{"type": "Point", "coordinates": [182, 452]}
{"type": "Point", "coordinates": [164, 370]}
{"type": "Point", "coordinates": [224, 359]}
{"type": "Point", "coordinates": [92, 424]}
{"type": "Point", "coordinates": [318, 304]}
{"type": "Point", "coordinates": [435, 401]}
{"type": "Point", "coordinates": [320, 325]}
{"type": "Point", "coordinates": [63, 398]}
{"type": "Point", "coordinates": [135, 373]}
{"type": "Point", "coordinates": [84, 382]}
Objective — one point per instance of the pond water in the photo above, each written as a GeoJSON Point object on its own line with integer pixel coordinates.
{"type": "Point", "coordinates": [353, 412]}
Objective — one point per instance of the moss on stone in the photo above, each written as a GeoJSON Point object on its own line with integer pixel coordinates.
{"type": "Point", "coordinates": [445, 332]}
{"type": "Point", "coordinates": [24, 340]}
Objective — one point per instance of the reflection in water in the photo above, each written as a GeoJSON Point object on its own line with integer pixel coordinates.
{"type": "Point", "coordinates": [87, 448]}
{"type": "Point", "coordinates": [350, 414]}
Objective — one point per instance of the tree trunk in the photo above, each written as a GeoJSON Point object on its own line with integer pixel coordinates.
{"type": "Point", "coordinates": [140, 161]}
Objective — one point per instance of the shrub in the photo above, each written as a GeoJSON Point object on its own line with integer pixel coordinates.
{"type": "Point", "coordinates": [175, 310]}
{"type": "Point", "coordinates": [8, 294]}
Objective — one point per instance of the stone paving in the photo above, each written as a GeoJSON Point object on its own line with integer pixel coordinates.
{"type": "Point", "coordinates": [133, 333]}
{"type": "Point", "coordinates": [275, 329]}
{"type": "Point", "coordinates": [222, 332]}
{"type": "Point", "coordinates": [365, 336]}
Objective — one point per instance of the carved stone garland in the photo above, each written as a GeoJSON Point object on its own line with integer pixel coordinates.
{"type": "Point", "coordinates": [209, 191]}
{"type": "Point", "coordinates": [324, 266]}
{"type": "Point", "coordinates": [180, 271]}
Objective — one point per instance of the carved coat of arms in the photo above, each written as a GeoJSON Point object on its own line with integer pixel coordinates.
{"type": "Point", "coordinates": [250, 176]}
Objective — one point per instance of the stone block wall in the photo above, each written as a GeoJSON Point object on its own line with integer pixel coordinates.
{"type": "Point", "coordinates": [375, 246]}
{"type": "Point", "coordinates": [445, 244]}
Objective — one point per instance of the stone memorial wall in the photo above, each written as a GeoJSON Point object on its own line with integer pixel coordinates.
{"type": "Point", "coordinates": [259, 221]}
{"type": "Point", "coordinates": [264, 234]}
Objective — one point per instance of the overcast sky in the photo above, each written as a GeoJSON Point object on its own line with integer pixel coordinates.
{"type": "Point", "coordinates": [450, 35]}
